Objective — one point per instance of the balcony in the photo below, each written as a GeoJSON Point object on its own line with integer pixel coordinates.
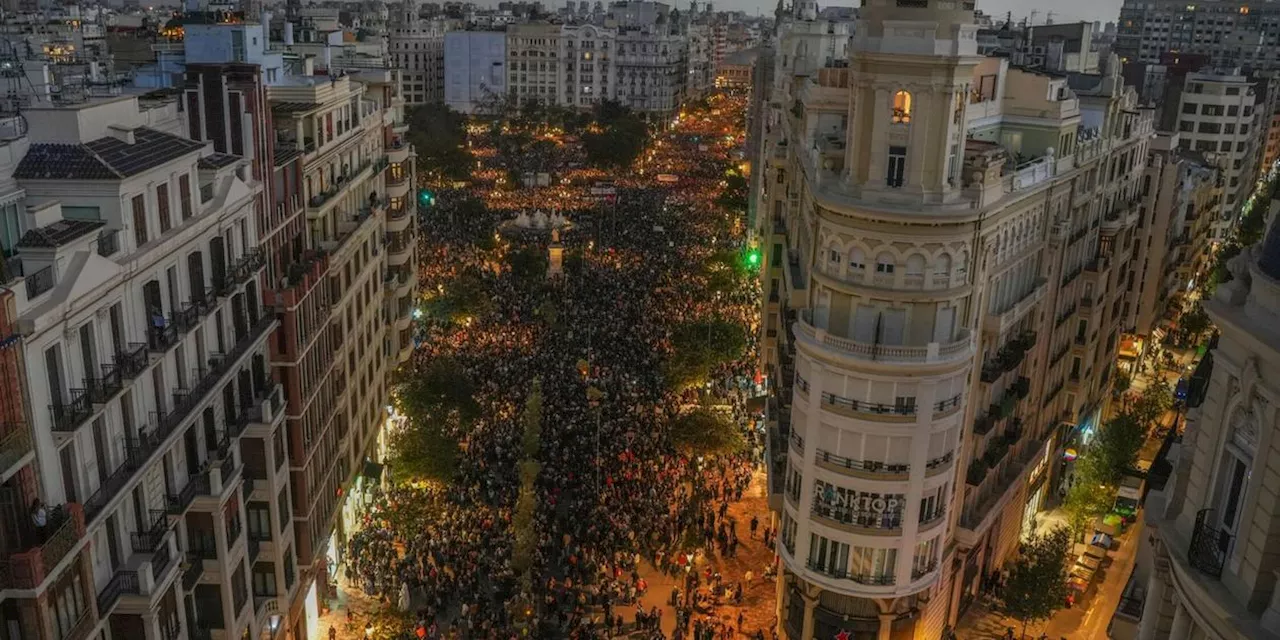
{"type": "Point", "coordinates": [875, 580]}
{"type": "Point", "coordinates": [153, 538]}
{"type": "Point", "coordinates": [178, 503]}
{"type": "Point", "coordinates": [102, 390]}
{"type": "Point", "coordinates": [932, 353]}
{"type": "Point", "coordinates": [1209, 545]}
{"type": "Point", "coordinates": [238, 272]}
{"type": "Point", "coordinates": [341, 184]}
{"type": "Point", "coordinates": [861, 468]}
{"type": "Point", "coordinates": [70, 415]}
{"type": "Point", "coordinates": [132, 362]}
{"type": "Point", "coordinates": [1001, 322]}
{"type": "Point", "coordinates": [874, 408]}
{"type": "Point", "coordinates": [30, 568]}
{"type": "Point", "coordinates": [139, 450]}
{"type": "Point", "coordinates": [1009, 357]}
{"type": "Point", "coordinates": [108, 243]}
{"type": "Point", "coordinates": [267, 408]}
{"type": "Point", "coordinates": [14, 446]}
{"type": "Point", "coordinates": [121, 583]}
{"type": "Point", "coordinates": [40, 282]}
{"type": "Point", "coordinates": [939, 464]}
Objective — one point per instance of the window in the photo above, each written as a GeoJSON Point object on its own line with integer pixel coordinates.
{"type": "Point", "coordinates": [884, 263]}
{"type": "Point", "coordinates": [1229, 128]}
{"type": "Point", "coordinates": [828, 556]}
{"type": "Point", "coordinates": [1189, 108]}
{"type": "Point", "coordinates": [184, 194]}
{"type": "Point", "coordinates": [1186, 125]}
{"type": "Point", "coordinates": [897, 169]}
{"type": "Point", "coordinates": [139, 220]}
{"type": "Point", "coordinates": [857, 260]}
{"type": "Point", "coordinates": [1209, 127]}
{"type": "Point", "coordinates": [162, 207]}
{"type": "Point", "coordinates": [68, 605]}
{"type": "Point", "coordinates": [264, 582]}
{"type": "Point", "coordinates": [901, 107]}
{"type": "Point", "coordinates": [1233, 110]}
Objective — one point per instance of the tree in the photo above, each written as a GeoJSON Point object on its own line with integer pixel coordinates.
{"type": "Point", "coordinates": [1113, 451]}
{"type": "Point", "coordinates": [439, 137]}
{"type": "Point", "coordinates": [734, 195]}
{"type": "Point", "coordinates": [437, 402]}
{"type": "Point", "coordinates": [1156, 399]}
{"type": "Point", "coordinates": [1085, 503]}
{"type": "Point", "coordinates": [528, 263]}
{"type": "Point", "coordinates": [1195, 323]}
{"type": "Point", "coordinates": [466, 297]}
{"type": "Point", "coordinates": [617, 137]}
{"type": "Point", "coordinates": [705, 432]}
{"type": "Point", "coordinates": [698, 348]}
{"type": "Point", "coordinates": [1037, 582]}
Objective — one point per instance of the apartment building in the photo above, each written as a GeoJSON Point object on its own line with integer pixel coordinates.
{"type": "Point", "coordinates": [145, 340]}
{"type": "Point", "coordinates": [577, 66]}
{"type": "Point", "coordinates": [45, 581]}
{"type": "Point", "coordinates": [1212, 526]}
{"type": "Point", "coordinates": [416, 46]}
{"type": "Point", "coordinates": [1225, 114]}
{"type": "Point", "coordinates": [1230, 32]}
{"type": "Point", "coordinates": [345, 296]}
{"type": "Point", "coordinates": [944, 230]}
{"type": "Point", "coordinates": [1181, 197]}
{"type": "Point", "coordinates": [475, 64]}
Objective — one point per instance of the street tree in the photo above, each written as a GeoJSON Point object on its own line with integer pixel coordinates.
{"type": "Point", "coordinates": [1113, 451]}
{"type": "Point", "coordinates": [1155, 400]}
{"type": "Point", "coordinates": [699, 347]}
{"type": "Point", "coordinates": [466, 297]}
{"type": "Point", "coordinates": [1037, 583]}
{"type": "Point", "coordinates": [438, 403]}
{"type": "Point", "coordinates": [1195, 323]}
{"type": "Point", "coordinates": [439, 136]}
{"type": "Point", "coordinates": [1085, 503]}
{"type": "Point", "coordinates": [705, 432]}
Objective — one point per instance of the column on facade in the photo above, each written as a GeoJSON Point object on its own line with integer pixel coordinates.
{"type": "Point", "coordinates": [810, 606]}
{"type": "Point", "coordinates": [813, 412]}
{"type": "Point", "coordinates": [1154, 603]}
{"type": "Point", "coordinates": [151, 625]}
{"type": "Point", "coordinates": [886, 625]}
{"type": "Point", "coordinates": [879, 109]}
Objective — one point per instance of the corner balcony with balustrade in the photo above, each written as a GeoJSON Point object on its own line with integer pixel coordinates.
{"type": "Point", "coordinates": [43, 555]}
{"type": "Point", "coordinates": [817, 337]}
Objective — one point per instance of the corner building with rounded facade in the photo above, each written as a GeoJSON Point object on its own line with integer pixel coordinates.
{"type": "Point", "coordinates": [934, 220]}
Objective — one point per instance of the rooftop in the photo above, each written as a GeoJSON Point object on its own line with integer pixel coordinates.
{"type": "Point", "coordinates": [218, 161]}
{"type": "Point", "coordinates": [58, 233]}
{"type": "Point", "coordinates": [106, 158]}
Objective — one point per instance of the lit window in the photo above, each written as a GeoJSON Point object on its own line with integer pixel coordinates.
{"type": "Point", "coordinates": [901, 107]}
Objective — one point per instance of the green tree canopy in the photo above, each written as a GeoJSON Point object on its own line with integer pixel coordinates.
{"type": "Point", "coordinates": [437, 402]}
{"type": "Point", "coordinates": [1113, 451]}
{"type": "Point", "coordinates": [699, 347]}
{"type": "Point", "coordinates": [465, 297]}
{"type": "Point", "coordinates": [1037, 582]}
{"type": "Point", "coordinates": [439, 137]}
{"type": "Point", "coordinates": [617, 140]}
{"type": "Point", "coordinates": [734, 196]}
{"type": "Point", "coordinates": [705, 432]}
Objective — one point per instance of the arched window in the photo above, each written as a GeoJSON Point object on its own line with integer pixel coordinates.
{"type": "Point", "coordinates": [884, 263]}
{"type": "Point", "coordinates": [901, 107]}
{"type": "Point", "coordinates": [943, 265]}
{"type": "Point", "coordinates": [856, 259]}
{"type": "Point", "coordinates": [915, 265]}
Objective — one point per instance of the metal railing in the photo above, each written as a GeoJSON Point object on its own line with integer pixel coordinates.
{"type": "Point", "coordinates": [121, 582]}
{"type": "Point", "coordinates": [40, 282]}
{"type": "Point", "coordinates": [949, 403]}
{"type": "Point", "coordinates": [160, 562]}
{"type": "Point", "coordinates": [202, 545]}
{"type": "Point", "coordinates": [108, 242]}
{"type": "Point", "coordinates": [69, 415]}
{"type": "Point", "coordinates": [177, 503]}
{"type": "Point", "coordinates": [153, 538]}
{"type": "Point", "coordinates": [866, 466]}
{"type": "Point", "coordinates": [132, 362]}
{"type": "Point", "coordinates": [844, 574]}
{"type": "Point", "coordinates": [868, 407]}
{"type": "Point", "coordinates": [102, 389]}
{"type": "Point", "coordinates": [1209, 545]}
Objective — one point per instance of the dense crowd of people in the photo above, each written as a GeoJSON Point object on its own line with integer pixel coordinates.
{"type": "Point", "coordinates": [617, 503]}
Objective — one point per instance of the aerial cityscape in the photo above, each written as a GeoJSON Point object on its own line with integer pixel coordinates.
{"type": "Point", "coordinates": [916, 320]}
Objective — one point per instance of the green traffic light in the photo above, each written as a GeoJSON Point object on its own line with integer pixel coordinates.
{"type": "Point", "coordinates": [426, 198]}
{"type": "Point", "coordinates": [753, 258]}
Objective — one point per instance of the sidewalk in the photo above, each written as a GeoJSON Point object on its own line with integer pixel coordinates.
{"type": "Point", "coordinates": [1087, 620]}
